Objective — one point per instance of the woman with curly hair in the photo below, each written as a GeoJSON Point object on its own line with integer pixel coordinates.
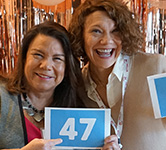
{"type": "Point", "coordinates": [107, 38]}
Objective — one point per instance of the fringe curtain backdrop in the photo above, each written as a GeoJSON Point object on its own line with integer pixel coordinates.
{"type": "Point", "coordinates": [152, 14]}
{"type": "Point", "coordinates": [18, 16]}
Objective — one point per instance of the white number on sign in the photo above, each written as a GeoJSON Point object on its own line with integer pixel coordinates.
{"type": "Point", "coordinates": [69, 129]}
{"type": "Point", "coordinates": [90, 123]}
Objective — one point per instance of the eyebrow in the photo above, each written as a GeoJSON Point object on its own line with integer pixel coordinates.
{"type": "Point", "coordinates": [96, 25]}
{"type": "Point", "coordinates": [59, 55]}
{"type": "Point", "coordinates": [38, 50]}
{"type": "Point", "coordinates": [101, 26]}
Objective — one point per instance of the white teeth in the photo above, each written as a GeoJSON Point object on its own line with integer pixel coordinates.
{"type": "Point", "coordinates": [105, 50]}
{"type": "Point", "coordinates": [105, 55]}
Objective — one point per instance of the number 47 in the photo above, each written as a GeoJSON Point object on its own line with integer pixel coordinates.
{"type": "Point", "coordinates": [69, 128]}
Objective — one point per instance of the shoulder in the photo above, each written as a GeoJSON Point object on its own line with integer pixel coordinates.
{"type": "Point", "coordinates": [10, 120]}
{"type": "Point", "coordinates": [3, 89]}
{"type": "Point", "coordinates": [155, 59]}
{"type": "Point", "coordinates": [149, 62]}
{"type": "Point", "coordinates": [8, 103]}
{"type": "Point", "coordinates": [144, 55]}
{"type": "Point", "coordinates": [5, 96]}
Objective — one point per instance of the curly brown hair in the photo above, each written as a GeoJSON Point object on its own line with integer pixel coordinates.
{"type": "Point", "coordinates": [126, 22]}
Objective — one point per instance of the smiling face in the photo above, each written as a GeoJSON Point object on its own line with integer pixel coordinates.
{"type": "Point", "coordinates": [45, 64]}
{"type": "Point", "coordinates": [101, 40]}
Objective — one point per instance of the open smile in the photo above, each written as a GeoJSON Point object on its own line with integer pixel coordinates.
{"type": "Point", "coordinates": [105, 52]}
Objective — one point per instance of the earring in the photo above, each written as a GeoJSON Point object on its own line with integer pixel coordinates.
{"type": "Point", "coordinates": [81, 62]}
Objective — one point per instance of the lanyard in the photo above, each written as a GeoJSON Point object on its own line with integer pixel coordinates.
{"type": "Point", "coordinates": [119, 126]}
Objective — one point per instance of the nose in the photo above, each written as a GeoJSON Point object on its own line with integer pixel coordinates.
{"type": "Point", "coordinates": [107, 39]}
{"type": "Point", "coordinates": [46, 64]}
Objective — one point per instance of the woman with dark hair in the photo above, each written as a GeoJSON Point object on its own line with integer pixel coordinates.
{"type": "Point", "coordinates": [46, 75]}
{"type": "Point", "coordinates": [107, 38]}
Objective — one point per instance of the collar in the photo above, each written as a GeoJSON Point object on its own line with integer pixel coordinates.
{"type": "Point", "coordinates": [89, 83]}
{"type": "Point", "coordinates": [118, 68]}
{"type": "Point", "coordinates": [117, 71]}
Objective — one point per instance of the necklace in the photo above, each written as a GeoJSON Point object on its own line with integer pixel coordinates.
{"type": "Point", "coordinates": [38, 115]}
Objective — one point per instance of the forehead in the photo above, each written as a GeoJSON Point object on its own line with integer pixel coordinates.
{"type": "Point", "coordinates": [42, 38]}
{"type": "Point", "coordinates": [45, 42]}
{"type": "Point", "coordinates": [98, 17]}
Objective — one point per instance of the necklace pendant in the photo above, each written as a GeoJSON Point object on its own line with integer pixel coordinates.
{"type": "Point", "coordinates": [38, 117]}
{"type": "Point", "coordinates": [30, 112]}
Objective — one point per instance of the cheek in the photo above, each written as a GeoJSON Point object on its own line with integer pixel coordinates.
{"type": "Point", "coordinates": [88, 46]}
{"type": "Point", "coordinates": [29, 68]}
{"type": "Point", "coordinates": [89, 42]}
{"type": "Point", "coordinates": [117, 40]}
{"type": "Point", "coordinates": [26, 68]}
{"type": "Point", "coordinates": [119, 48]}
{"type": "Point", "coordinates": [119, 44]}
{"type": "Point", "coordinates": [60, 71]}
{"type": "Point", "coordinates": [28, 73]}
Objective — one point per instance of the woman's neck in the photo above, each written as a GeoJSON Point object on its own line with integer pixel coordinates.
{"type": "Point", "coordinates": [100, 75]}
{"type": "Point", "coordinates": [40, 100]}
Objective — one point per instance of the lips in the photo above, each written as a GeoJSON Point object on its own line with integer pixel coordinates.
{"type": "Point", "coordinates": [105, 52]}
{"type": "Point", "coordinates": [44, 76]}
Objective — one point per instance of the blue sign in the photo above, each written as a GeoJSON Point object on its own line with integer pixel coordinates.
{"type": "Point", "coordinates": [161, 94]}
{"type": "Point", "coordinates": [157, 88]}
{"type": "Point", "coordinates": [78, 127]}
